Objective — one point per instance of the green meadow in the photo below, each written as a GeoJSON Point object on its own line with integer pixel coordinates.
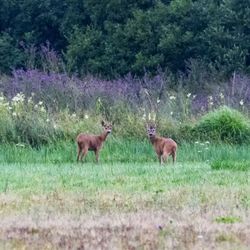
{"type": "Point", "coordinates": [127, 201]}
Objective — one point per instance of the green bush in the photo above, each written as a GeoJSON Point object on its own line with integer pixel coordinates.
{"type": "Point", "coordinates": [73, 124]}
{"type": "Point", "coordinates": [185, 133]}
{"type": "Point", "coordinates": [23, 121]}
{"type": "Point", "coordinates": [223, 125]}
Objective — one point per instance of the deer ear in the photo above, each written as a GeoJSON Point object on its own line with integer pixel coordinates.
{"type": "Point", "coordinates": [103, 123]}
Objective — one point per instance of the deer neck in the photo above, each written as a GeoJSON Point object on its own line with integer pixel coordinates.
{"type": "Point", "coordinates": [103, 136]}
{"type": "Point", "coordinates": [153, 139]}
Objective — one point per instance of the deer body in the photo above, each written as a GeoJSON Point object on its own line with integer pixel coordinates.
{"type": "Point", "coordinates": [164, 147]}
{"type": "Point", "coordinates": [86, 142]}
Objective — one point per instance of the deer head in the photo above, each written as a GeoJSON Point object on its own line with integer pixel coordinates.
{"type": "Point", "coordinates": [151, 129]}
{"type": "Point", "coordinates": [107, 126]}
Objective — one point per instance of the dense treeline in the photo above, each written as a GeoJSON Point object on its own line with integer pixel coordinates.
{"type": "Point", "coordinates": [115, 37]}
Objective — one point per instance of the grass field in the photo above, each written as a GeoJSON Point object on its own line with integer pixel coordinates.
{"type": "Point", "coordinates": [127, 201]}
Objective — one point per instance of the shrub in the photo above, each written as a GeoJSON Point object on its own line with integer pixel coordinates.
{"type": "Point", "coordinates": [23, 121]}
{"type": "Point", "coordinates": [223, 125]}
{"type": "Point", "coordinates": [73, 124]}
{"type": "Point", "coordinates": [7, 131]}
{"type": "Point", "coordinates": [185, 133]}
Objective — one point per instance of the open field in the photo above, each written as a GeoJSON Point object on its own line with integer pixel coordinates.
{"type": "Point", "coordinates": [131, 72]}
{"type": "Point", "coordinates": [128, 201]}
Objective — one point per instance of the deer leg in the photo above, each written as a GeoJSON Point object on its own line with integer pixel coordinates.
{"type": "Point", "coordinates": [84, 153]}
{"type": "Point", "coordinates": [97, 155]}
{"type": "Point", "coordinates": [78, 154]}
{"type": "Point", "coordinates": [160, 159]}
{"type": "Point", "coordinates": [165, 157]}
{"type": "Point", "coordinates": [174, 156]}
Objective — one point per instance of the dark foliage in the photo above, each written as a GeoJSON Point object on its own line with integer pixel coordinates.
{"type": "Point", "coordinates": [112, 38]}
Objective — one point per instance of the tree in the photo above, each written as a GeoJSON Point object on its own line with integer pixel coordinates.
{"type": "Point", "coordinates": [8, 47]}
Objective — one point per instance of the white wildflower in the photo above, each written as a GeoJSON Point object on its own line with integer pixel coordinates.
{"type": "Point", "coordinates": [241, 102]}
{"type": "Point", "coordinates": [207, 142]}
{"type": "Point", "coordinates": [221, 95]}
{"type": "Point", "coordinates": [199, 151]}
{"type": "Point", "coordinates": [74, 115]}
{"type": "Point", "coordinates": [196, 142]}
{"type": "Point", "coordinates": [172, 97]}
{"type": "Point", "coordinates": [210, 98]}
{"type": "Point", "coordinates": [18, 98]}
{"type": "Point", "coordinates": [171, 113]}
{"type": "Point", "coordinates": [207, 148]}
{"type": "Point", "coordinates": [47, 120]}
{"type": "Point", "coordinates": [194, 96]}
{"type": "Point", "coordinates": [15, 99]}
{"type": "Point", "coordinates": [10, 108]}
{"type": "Point", "coordinates": [86, 116]}
{"type": "Point", "coordinates": [14, 113]}
{"type": "Point", "coordinates": [144, 117]}
{"type": "Point", "coordinates": [43, 109]}
{"type": "Point", "coordinates": [36, 106]}
{"type": "Point", "coordinates": [158, 101]}
{"type": "Point", "coordinates": [188, 95]}
{"type": "Point", "coordinates": [199, 236]}
{"type": "Point", "coordinates": [20, 145]}
{"type": "Point", "coordinates": [40, 103]}
{"type": "Point", "coordinates": [1, 98]}
{"type": "Point", "coordinates": [55, 126]}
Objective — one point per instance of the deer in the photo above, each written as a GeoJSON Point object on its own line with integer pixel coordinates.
{"type": "Point", "coordinates": [163, 146]}
{"type": "Point", "coordinates": [87, 142]}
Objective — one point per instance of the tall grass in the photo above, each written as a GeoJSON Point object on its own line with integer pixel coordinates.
{"type": "Point", "coordinates": [123, 151]}
{"type": "Point", "coordinates": [25, 122]}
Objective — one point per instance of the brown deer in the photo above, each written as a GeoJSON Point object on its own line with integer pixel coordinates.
{"type": "Point", "coordinates": [86, 142]}
{"type": "Point", "coordinates": [163, 146]}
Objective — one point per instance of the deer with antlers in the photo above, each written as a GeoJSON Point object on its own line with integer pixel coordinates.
{"type": "Point", "coordinates": [86, 142]}
{"type": "Point", "coordinates": [163, 146]}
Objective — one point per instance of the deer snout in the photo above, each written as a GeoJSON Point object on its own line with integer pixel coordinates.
{"type": "Point", "coordinates": [109, 131]}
